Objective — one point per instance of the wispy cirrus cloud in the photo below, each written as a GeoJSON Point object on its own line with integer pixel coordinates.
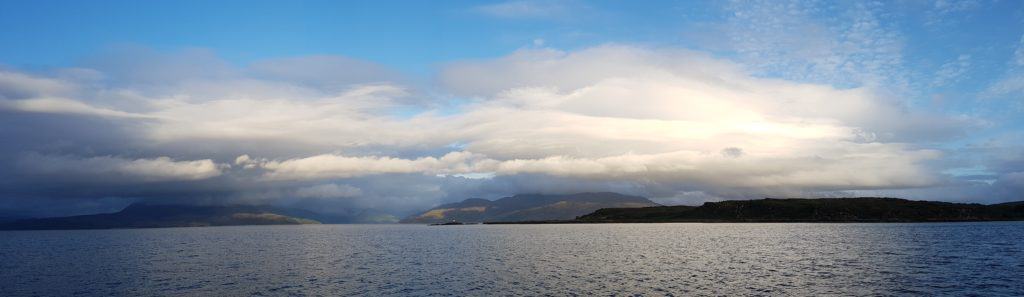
{"type": "Point", "coordinates": [952, 71]}
{"type": "Point", "coordinates": [1012, 81]}
{"type": "Point", "coordinates": [1018, 54]}
{"type": "Point", "coordinates": [939, 11]}
{"type": "Point", "coordinates": [843, 44]}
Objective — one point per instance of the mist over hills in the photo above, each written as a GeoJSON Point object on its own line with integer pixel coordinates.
{"type": "Point", "coordinates": [527, 207]}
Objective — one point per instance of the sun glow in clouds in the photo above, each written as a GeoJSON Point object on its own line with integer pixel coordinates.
{"type": "Point", "coordinates": [832, 111]}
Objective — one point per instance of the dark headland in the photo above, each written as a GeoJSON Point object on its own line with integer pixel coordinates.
{"type": "Point", "coordinates": [864, 209]}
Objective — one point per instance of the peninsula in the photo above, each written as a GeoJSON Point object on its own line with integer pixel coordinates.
{"type": "Point", "coordinates": [862, 209]}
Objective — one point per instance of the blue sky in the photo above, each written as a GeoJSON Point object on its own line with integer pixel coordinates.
{"type": "Point", "coordinates": [417, 36]}
{"type": "Point", "coordinates": [680, 101]}
{"type": "Point", "coordinates": [410, 35]}
{"type": "Point", "coordinates": [386, 31]}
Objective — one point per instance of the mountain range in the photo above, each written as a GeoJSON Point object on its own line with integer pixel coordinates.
{"type": "Point", "coordinates": [141, 215]}
{"type": "Point", "coordinates": [530, 207]}
{"type": "Point", "coordinates": [534, 208]}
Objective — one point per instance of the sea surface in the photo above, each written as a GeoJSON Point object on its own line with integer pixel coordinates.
{"type": "Point", "coordinates": [930, 259]}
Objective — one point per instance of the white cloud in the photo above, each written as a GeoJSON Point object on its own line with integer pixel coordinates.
{"type": "Point", "coordinates": [680, 88]}
{"type": "Point", "coordinates": [672, 120]}
{"type": "Point", "coordinates": [890, 167]}
{"type": "Point", "coordinates": [338, 166]}
{"type": "Point", "coordinates": [350, 118]}
{"type": "Point", "coordinates": [15, 85]}
{"type": "Point", "coordinates": [63, 105]}
{"type": "Point", "coordinates": [115, 169]}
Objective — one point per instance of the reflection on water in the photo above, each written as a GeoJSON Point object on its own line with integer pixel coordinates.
{"type": "Point", "coordinates": [526, 260]}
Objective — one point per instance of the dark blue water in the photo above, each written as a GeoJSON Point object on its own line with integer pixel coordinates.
{"type": "Point", "coordinates": [525, 260]}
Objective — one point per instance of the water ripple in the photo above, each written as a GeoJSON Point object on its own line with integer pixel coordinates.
{"type": "Point", "coordinates": [521, 260]}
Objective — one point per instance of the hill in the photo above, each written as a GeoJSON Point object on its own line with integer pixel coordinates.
{"type": "Point", "coordinates": [526, 208]}
{"type": "Point", "coordinates": [10, 216]}
{"type": "Point", "coordinates": [865, 209]}
{"type": "Point", "coordinates": [154, 216]}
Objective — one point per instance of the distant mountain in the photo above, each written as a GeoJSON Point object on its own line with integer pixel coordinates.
{"type": "Point", "coordinates": [813, 210]}
{"type": "Point", "coordinates": [153, 216]}
{"type": "Point", "coordinates": [371, 216]}
{"type": "Point", "coordinates": [10, 218]}
{"type": "Point", "coordinates": [526, 208]}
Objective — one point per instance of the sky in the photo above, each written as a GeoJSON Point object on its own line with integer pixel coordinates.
{"type": "Point", "coordinates": [400, 106]}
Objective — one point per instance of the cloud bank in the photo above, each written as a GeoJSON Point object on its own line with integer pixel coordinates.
{"type": "Point", "coordinates": [677, 125]}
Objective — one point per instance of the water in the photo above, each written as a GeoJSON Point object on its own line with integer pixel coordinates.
{"type": "Point", "coordinates": [524, 260]}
